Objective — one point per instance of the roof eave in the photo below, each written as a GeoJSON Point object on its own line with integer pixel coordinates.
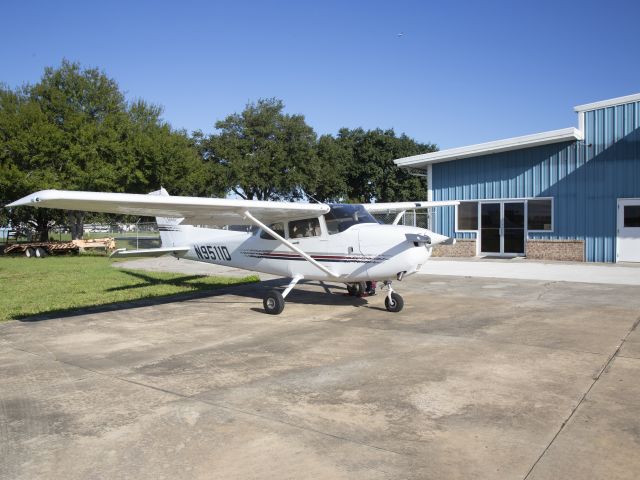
{"type": "Point", "coordinates": [508, 144]}
{"type": "Point", "coordinates": [612, 102]}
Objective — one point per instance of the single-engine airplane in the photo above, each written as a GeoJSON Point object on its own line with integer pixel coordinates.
{"type": "Point", "coordinates": [336, 242]}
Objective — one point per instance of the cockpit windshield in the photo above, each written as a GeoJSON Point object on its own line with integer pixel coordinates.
{"type": "Point", "coordinates": [343, 216]}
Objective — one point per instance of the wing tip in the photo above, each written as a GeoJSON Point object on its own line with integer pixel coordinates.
{"type": "Point", "coordinates": [32, 198]}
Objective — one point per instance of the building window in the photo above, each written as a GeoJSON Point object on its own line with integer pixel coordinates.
{"type": "Point", "coordinates": [539, 215]}
{"type": "Point", "coordinates": [276, 227]}
{"type": "Point", "coordinates": [467, 215]}
{"type": "Point", "coordinates": [631, 216]}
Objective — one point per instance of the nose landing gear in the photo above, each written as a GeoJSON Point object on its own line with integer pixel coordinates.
{"type": "Point", "coordinates": [393, 302]}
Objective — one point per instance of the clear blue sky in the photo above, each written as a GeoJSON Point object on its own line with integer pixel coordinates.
{"type": "Point", "coordinates": [462, 72]}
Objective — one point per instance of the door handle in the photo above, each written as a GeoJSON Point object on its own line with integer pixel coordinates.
{"type": "Point", "coordinates": [296, 242]}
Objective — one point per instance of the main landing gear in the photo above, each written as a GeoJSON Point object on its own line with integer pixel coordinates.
{"type": "Point", "coordinates": [273, 301]}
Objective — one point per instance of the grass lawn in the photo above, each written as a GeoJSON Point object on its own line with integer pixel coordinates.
{"type": "Point", "coordinates": [31, 286]}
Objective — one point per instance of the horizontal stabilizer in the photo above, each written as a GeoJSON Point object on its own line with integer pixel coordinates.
{"type": "Point", "coordinates": [150, 252]}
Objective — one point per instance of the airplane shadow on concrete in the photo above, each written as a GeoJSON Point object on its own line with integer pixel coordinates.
{"type": "Point", "coordinates": [326, 294]}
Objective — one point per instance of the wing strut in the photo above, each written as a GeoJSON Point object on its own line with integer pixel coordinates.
{"type": "Point", "coordinates": [288, 244]}
{"type": "Point", "coordinates": [399, 217]}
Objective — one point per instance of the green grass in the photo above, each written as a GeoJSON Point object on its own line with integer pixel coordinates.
{"type": "Point", "coordinates": [33, 286]}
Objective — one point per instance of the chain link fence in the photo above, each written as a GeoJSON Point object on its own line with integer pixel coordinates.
{"type": "Point", "coordinates": [410, 218]}
{"type": "Point", "coordinates": [127, 235]}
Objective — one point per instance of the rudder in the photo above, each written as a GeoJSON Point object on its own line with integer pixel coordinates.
{"type": "Point", "coordinates": [171, 232]}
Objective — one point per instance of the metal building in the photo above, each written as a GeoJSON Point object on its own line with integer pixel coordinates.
{"type": "Point", "coordinates": [569, 194]}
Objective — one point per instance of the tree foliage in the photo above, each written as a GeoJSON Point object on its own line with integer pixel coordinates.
{"type": "Point", "coordinates": [263, 153]}
{"type": "Point", "coordinates": [74, 130]}
{"type": "Point", "coordinates": [370, 172]}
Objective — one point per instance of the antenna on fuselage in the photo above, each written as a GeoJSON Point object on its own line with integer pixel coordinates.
{"type": "Point", "coordinates": [312, 197]}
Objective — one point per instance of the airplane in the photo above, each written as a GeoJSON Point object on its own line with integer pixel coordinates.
{"type": "Point", "coordinates": [314, 241]}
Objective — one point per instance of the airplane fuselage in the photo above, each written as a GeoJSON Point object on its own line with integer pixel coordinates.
{"type": "Point", "coordinates": [362, 252]}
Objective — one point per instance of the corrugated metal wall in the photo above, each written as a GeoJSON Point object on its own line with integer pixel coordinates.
{"type": "Point", "coordinates": [585, 179]}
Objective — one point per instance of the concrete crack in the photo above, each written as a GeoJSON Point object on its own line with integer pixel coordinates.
{"type": "Point", "coordinates": [604, 368]}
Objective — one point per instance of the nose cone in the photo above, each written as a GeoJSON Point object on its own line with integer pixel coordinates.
{"type": "Point", "coordinates": [437, 239]}
{"type": "Point", "coordinates": [421, 235]}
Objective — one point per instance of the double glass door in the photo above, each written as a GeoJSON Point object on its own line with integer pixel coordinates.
{"type": "Point", "coordinates": [502, 228]}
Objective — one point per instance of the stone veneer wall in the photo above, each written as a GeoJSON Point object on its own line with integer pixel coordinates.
{"type": "Point", "coordinates": [569, 250]}
{"type": "Point", "coordinates": [462, 248]}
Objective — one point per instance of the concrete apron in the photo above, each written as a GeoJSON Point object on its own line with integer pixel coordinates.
{"type": "Point", "coordinates": [476, 378]}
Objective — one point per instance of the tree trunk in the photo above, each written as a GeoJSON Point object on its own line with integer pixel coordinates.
{"type": "Point", "coordinates": [41, 224]}
{"type": "Point", "coordinates": [43, 233]}
{"type": "Point", "coordinates": [76, 224]}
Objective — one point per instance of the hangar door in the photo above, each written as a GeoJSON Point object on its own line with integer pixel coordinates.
{"type": "Point", "coordinates": [628, 238]}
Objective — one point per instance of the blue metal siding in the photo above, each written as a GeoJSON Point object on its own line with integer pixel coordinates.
{"type": "Point", "coordinates": [584, 178]}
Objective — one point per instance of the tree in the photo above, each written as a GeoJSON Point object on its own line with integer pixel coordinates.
{"type": "Point", "coordinates": [27, 140]}
{"type": "Point", "coordinates": [263, 153]}
{"type": "Point", "coordinates": [371, 174]}
{"type": "Point", "coordinates": [327, 177]}
{"type": "Point", "coordinates": [74, 130]}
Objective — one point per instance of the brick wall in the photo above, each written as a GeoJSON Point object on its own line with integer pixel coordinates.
{"type": "Point", "coordinates": [462, 248]}
{"type": "Point", "coordinates": [569, 250]}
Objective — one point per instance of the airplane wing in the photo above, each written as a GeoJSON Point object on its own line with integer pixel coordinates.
{"type": "Point", "coordinates": [403, 206]}
{"type": "Point", "coordinates": [194, 210]}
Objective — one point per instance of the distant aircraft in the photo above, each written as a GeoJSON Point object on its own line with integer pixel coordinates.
{"type": "Point", "coordinates": [338, 242]}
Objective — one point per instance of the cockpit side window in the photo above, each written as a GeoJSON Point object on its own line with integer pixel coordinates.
{"type": "Point", "coordinates": [276, 227]}
{"type": "Point", "coordinates": [342, 216]}
{"type": "Point", "coordinates": [309, 227]}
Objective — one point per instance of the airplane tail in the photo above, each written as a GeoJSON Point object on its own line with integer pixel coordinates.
{"type": "Point", "coordinates": [172, 234]}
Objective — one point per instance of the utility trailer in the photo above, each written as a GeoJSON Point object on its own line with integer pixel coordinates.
{"type": "Point", "coordinates": [41, 249]}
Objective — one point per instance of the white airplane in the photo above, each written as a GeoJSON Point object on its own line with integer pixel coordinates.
{"type": "Point", "coordinates": [336, 242]}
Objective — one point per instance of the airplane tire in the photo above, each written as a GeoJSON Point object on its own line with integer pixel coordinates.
{"type": "Point", "coordinates": [396, 303]}
{"type": "Point", "coordinates": [356, 289]}
{"type": "Point", "coordinates": [30, 253]}
{"type": "Point", "coordinates": [273, 302]}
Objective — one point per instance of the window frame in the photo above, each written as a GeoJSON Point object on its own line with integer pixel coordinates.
{"type": "Point", "coordinates": [553, 223]}
{"type": "Point", "coordinates": [477, 202]}
{"type": "Point", "coordinates": [624, 218]}
{"type": "Point", "coordinates": [289, 223]}
{"type": "Point", "coordinates": [507, 200]}
{"type": "Point", "coordinates": [268, 236]}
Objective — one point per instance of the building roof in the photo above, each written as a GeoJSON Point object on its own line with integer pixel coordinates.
{"type": "Point", "coordinates": [608, 103]}
{"type": "Point", "coordinates": [515, 143]}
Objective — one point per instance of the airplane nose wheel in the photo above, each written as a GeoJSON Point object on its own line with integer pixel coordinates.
{"type": "Point", "coordinates": [393, 302]}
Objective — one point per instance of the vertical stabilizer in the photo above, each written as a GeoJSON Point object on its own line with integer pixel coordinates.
{"type": "Point", "coordinates": [171, 232]}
